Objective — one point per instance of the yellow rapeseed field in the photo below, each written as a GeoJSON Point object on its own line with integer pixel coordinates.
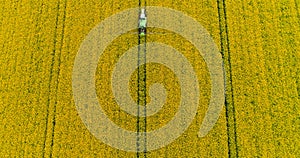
{"type": "Point", "coordinates": [259, 42]}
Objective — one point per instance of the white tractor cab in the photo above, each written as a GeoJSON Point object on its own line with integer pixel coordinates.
{"type": "Point", "coordinates": [142, 23]}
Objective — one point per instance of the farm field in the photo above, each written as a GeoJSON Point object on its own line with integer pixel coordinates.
{"type": "Point", "coordinates": [260, 46]}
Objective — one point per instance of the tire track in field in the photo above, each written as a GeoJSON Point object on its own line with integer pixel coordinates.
{"type": "Point", "coordinates": [50, 79]}
{"type": "Point", "coordinates": [288, 47]}
{"type": "Point", "coordinates": [58, 73]}
{"type": "Point", "coordinates": [37, 62]}
{"type": "Point", "coordinates": [298, 71]}
{"type": "Point", "coordinates": [32, 64]}
{"type": "Point", "coordinates": [229, 101]}
{"type": "Point", "coordinates": [53, 81]}
{"type": "Point", "coordinates": [138, 97]}
{"type": "Point", "coordinates": [141, 98]}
